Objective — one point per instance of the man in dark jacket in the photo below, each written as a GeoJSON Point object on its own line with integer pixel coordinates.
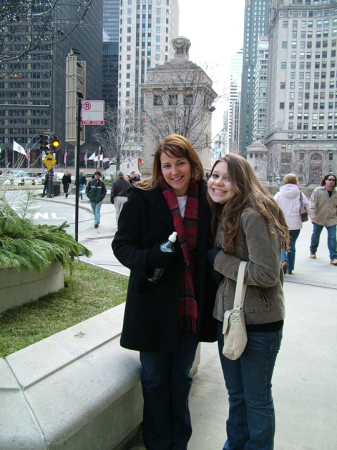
{"type": "Point", "coordinates": [95, 192]}
{"type": "Point", "coordinates": [46, 180]}
{"type": "Point", "coordinates": [119, 193]}
{"type": "Point", "coordinates": [134, 177]}
{"type": "Point", "coordinates": [66, 180]}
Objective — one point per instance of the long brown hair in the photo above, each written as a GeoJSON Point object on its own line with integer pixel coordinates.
{"type": "Point", "coordinates": [249, 192]}
{"type": "Point", "coordinates": [180, 147]}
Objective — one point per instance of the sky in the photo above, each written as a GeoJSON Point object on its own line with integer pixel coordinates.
{"type": "Point", "coordinates": [215, 29]}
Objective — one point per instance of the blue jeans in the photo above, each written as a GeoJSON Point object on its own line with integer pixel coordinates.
{"type": "Point", "coordinates": [290, 255]}
{"type": "Point", "coordinates": [251, 421]}
{"type": "Point", "coordinates": [96, 208]}
{"type": "Point", "coordinates": [331, 240]}
{"type": "Point", "coordinates": [166, 383]}
{"type": "Point", "coordinates": [80, 191]}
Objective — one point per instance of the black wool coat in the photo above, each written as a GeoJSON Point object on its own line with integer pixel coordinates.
{"type": "Point", "coordinates": [151, 312]}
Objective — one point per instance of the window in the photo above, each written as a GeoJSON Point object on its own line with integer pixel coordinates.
{"type": "Point", "coordinates": [285, 24]}
{"type": "Point", "coordinates": [173, 99]}
{"type": "Point", "coordinates": [283, 65]}
{"type": "Point", "coordinates": [282, 85]}
{"type": "Point", "coordinates": [282, 105]}
{"type": "Point", "coordinates": [188, 99]}
{"type": "Point", "coordinates": [284, 44]}
{"type": "Point", "coordinates": [157, 29]}
{"type": "Point", "coordinates": [157, 100]}
{"type": "Point", "coordinates": [157, 38]}
{"type": "Point", "coordinates": [292, 85]}
{"type": "Point", "coordinates": [157, 57]}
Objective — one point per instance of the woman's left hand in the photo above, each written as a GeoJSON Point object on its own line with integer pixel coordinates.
{"type": "Point", "coordinates": [211, 254]}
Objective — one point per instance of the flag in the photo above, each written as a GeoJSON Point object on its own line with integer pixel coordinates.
{"type": "Point", "coordinates": [28, 154]}
{"type": "Point", "coordinates": [92, 157]}
{"type": "Point", "coordinates": [18, 148]}
{"type": "Point", "coordinates": [106, 159]}
{"type": "Point", "coordinates": [65, 156]}
{"type": "Point", "coordinates": [100, 158]}
{"type": "Point", "coordinates": [85, 158]}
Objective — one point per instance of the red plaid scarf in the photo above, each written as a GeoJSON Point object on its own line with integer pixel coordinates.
{"type": "Point", "coordinates": [187, 231]}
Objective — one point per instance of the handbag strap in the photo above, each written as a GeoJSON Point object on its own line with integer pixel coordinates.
{"type": "Point", "coordinates": [301, 199]}
{"type": "Point", "coordinates": [240, 291]}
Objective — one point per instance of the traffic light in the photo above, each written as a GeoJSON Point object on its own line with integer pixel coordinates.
{"type": "Point", "coordinates": [44, 142]}
{"type": "Point", "coordinates": [55, 142]}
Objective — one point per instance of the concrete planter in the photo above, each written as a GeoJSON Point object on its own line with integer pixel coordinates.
{"type": "Point", "coordinates": [17, 288]}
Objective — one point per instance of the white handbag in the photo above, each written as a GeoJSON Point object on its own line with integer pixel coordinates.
{"type": "Point", "coordinates": [234, 326]}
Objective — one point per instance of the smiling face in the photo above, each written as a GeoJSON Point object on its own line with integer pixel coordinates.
{"type": "Point", "coordinates": [176, 172]}
{"type": "Point", "coordinates": [219, 186]}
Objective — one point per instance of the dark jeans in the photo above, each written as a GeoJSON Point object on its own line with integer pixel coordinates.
{"type": "Point", "coordinates": [166, 382]}
{"type": "Point", "coordinates": [331, 240]}
{"type": "Point", "coordinates": [251, 421]}
{"type": "Point", "coordinates": [290, 255]}
{"type": "Point", "coordinates": [80, 189]}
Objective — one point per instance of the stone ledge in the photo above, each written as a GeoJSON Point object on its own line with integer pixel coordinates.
{"type": "Point", "coordinates": [77, 390]}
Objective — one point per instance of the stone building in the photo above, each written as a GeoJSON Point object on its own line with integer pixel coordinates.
{"type": "Point", "coordinates": [301, 134]}
{"type": "Point", "coordinates": [178, 98]}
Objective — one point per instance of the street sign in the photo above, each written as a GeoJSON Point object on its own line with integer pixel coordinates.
{"type": "Point", "coordinates": [92, 112]}
{"type": "Point", "coordinates": [49, 160]}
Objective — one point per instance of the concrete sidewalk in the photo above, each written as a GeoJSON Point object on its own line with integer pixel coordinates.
{"type": "Point", "coordinates": [304, 382]}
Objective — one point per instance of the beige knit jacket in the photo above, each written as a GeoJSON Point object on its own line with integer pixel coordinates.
{"type": "Point", "coordinates": [264, 301]}
{"type": "Point", "coordinates": [323, 207]}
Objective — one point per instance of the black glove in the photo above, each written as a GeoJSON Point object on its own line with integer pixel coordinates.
{"type": "Point", "coordinates": [211, 254]}
{"type": "Point", "coordinates": [216, 276]}
{"type": "Point", "coordinates": [161, 260]}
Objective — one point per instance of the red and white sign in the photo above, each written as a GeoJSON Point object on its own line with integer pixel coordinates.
{"type": "Point", "coordinates": [92, 112]}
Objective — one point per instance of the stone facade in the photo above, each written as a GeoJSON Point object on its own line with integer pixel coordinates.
{"type": "Point", "coordinates": [257, 158]}
{"type": "Point", "coordinates": [177, 100]}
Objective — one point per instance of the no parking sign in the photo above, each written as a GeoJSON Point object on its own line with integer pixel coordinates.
{"type": "Point", "coordinates": [92, 112]}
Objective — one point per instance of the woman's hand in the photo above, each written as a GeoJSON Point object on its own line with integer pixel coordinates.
{"type": "Point", "coordinates": [211, 254]}
{"type": "Point", "coordinates": [159, 259]}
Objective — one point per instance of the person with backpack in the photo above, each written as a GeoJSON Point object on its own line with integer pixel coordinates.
{"type": "Point", "coordinates": [96, 191]}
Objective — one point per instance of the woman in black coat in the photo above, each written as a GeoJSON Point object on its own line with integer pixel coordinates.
{"type": "Point", "coordinates": [166, 320]}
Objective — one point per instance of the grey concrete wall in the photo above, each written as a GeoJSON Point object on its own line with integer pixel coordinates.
{"type": "Point", "coordinates": [19, 287]}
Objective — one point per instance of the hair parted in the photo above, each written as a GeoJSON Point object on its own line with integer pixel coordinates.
{"type": "Point", "coordinates": [249, 192]}
{"type": "Point", "coordinates": [180, 147]}
{"type": "Point", "coordinates": [290, 178]}
{"type": "Point", "coordinates": [326, 177]}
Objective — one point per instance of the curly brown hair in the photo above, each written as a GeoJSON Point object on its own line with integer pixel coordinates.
{"type": "Point", "coordinates": [180, 147]}
{"type": "Point", "coordinates": [249, 192]}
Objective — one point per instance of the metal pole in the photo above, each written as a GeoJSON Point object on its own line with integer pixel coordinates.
{"type": "Point", "coordinates": [77, 161]}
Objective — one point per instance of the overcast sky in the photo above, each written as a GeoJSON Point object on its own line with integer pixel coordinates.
{"type": "Point", "coordinates": [215, 29]}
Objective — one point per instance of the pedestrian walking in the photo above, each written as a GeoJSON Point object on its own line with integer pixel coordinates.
{"type": "Point", "coordinates": [164, 320]}
{"type": "Point", "coordinates": [289, 199]}
{"type": "Point", "coordinates": [82, 181]}
{"type": "Point", "coordinates": [45, 185]}
{"type": "Point", "coordinates": [66, 181]}
{"type": "Point", "coordinates": [323, 213]}
{"type": "Point", "coordinates": [96, 191]}
{"type": "Point", "coordinates": [248, 225]}
{"type": "Point", "coordinates": [119, 195]}
{"type": "Point", "coordinates": [134, 177]}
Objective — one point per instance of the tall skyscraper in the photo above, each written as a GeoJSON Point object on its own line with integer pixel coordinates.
{"type": "Point", "coordinates": [234, 102]}
{"type": "Point", "coordinates": [110, 52]}
{"type": "Point", "coordinates": [146, 30]}
{"type": "Point", "coordinates": [33, 97]}
{"type": "Point", "coordinates": [256, 24]}
{"type": "Point", "coordinates": [260, 88]}
{"type": "Point", "coordinates": [302, 89]}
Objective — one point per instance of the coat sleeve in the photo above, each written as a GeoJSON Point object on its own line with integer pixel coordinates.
{"type": "Point", "coordinates": [313, 204]}
{"type": "Point", "coordinates": [264, 254]}
{"type": "Point", "coordinates": [127, 244]}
